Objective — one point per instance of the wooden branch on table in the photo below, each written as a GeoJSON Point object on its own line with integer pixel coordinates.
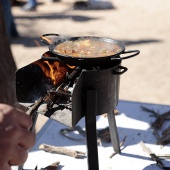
{"type": "Point", "coordinates": [160, 118]}
{"type": "Point", "coordinates": [149, 110]}
{"type": "Point", "coordinates": [166, 131]}
{"type": "Point", "coordinates": [62, 150]}
{"type": "Point", "coordinates": [155, 132]}
{"type": "Point", "coordinates": [165, 139]}
{"type": "Point", "coordinates": [53, 166]}
{"type": "Point", "coordinates": [121, 144]}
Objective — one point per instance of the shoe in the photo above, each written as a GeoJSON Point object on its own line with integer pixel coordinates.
{"type": "Point", "coordinates": [28, 7]}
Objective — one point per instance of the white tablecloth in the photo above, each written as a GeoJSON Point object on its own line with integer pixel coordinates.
{"type": "Point", "coordinates": [131, 122]}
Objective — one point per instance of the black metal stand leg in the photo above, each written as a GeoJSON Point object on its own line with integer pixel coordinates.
{"type": "Point", "coordinates": [113, 131]}
{"type": "Point", "coordinates": [91, 135]}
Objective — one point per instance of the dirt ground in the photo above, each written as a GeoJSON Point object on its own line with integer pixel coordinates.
{"type": "Point", "coordinates": [142, 25]}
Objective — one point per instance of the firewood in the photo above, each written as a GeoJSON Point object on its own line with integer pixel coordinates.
{"type": "Point", "coordinates": [155, 132]}
{"type": "Point", "coordinates": [121, 144]}
{"type": "Point", "coordinates": [166, 131]}
{"type": "Point", "coordinates": [165, 139]}
{"type": "Point", "coordinates": [62, 150]}
{"type": "Point", "coordinates": [53, 166]}
{"type": "Point", "coordinates": [160, 118]}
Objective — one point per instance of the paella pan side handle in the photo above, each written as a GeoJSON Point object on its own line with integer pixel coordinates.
{"type": "Point", "coordinates": [135, 52]}
{"type": "Point", "coordinates": [122, 70]}
{"type": "Point", "coordinates": [45, 38]}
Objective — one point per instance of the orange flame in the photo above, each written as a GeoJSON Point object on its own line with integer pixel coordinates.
{"type": "Point", "coordinates": [54, 70]}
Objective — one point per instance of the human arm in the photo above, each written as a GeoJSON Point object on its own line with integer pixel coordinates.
{"type": "Point", "coordinates": [15, 137]}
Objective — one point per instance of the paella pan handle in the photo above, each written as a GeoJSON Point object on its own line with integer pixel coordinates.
{"type": "Point", "coordinates": [135, 52]}
{"type": "Point", "coordinates": [50, 38]}
{"type": "Point", "coordinates": [121, 68]}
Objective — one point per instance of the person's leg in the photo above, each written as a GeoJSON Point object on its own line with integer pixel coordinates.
{"type": "Point", "coordinates": [30, 5]}
{"type": "Point", "coordinates": [9, 19]}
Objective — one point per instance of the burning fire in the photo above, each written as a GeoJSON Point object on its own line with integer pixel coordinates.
{"type": "Point", "coordinates": [54, 70]}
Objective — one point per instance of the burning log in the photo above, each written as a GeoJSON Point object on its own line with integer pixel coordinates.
{"type": "Point", "coordinates": [62, 150]}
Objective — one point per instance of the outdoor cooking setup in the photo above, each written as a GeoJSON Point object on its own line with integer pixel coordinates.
{"type": "Point", "coordinates": [67, 84]}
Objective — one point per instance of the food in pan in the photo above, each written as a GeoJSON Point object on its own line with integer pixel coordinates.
{"type": "Point", "coordinates": [88, 48]}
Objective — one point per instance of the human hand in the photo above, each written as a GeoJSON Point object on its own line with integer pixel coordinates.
{"type": "Point", "coordinates": [15, 137]}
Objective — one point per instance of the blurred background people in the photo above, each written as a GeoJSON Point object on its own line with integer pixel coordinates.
{"type": "Point", "coordinates": [30, 5]}
{"type": "Point", "coordinates": [9, 19]}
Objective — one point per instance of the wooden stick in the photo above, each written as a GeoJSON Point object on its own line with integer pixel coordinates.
{"type": "Point", "coordinates": [123, 141]}
{"type": "Point", "coordinates": [149, 110]}
{"type": "Point", "coordinates": [166, 131]}
{"type": "Point", "coordinates": [33, 114]}
{"type": "Point", "coordinates": [160, 118]}
{"type": "Point", "coordinates": [165, 139]}
{"type": "Point", "coordinates": [121, 144]}
{"type": "Point", "coordinates": [35, 107]}
{"type": "Point", "coordinates": [53, 166]}
{"type": "Point", "coordinates": [155, 132]}
{"type": "Point", "coordinates": [61, 150]}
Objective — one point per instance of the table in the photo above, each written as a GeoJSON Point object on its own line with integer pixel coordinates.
{"type": "Point", "coordinates": [132, 122]}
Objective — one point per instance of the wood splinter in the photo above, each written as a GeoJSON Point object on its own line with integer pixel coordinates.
{"type": "Point", "coordinates": [62, 150]}
{"type": "Point", "coordinates": [121, 144]}
{"type": "Point", "coordinates": [53, 166]}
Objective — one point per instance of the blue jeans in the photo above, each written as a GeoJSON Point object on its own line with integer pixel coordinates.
{"type": "Point", "coordinates": [32, 3]}
{"type": "Point", "coordinates": [8, 18]}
